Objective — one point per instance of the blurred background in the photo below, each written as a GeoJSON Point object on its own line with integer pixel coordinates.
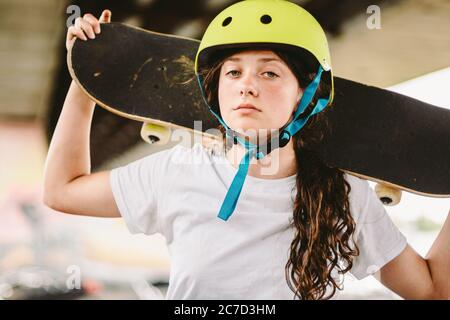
{"type": "Point", "coordinates": [45, 254]}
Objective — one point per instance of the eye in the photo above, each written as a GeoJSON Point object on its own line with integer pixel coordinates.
{"type": "Point", "coordinates": [233, 73]}
{"type": "Point", "coordinates": [271, 74]}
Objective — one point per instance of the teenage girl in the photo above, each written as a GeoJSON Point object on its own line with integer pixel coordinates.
{"type": "Point", "coordinates": [266, 218]}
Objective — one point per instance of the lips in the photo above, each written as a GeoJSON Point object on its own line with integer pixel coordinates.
{"type": "Point", "coordinates": [246, 106]}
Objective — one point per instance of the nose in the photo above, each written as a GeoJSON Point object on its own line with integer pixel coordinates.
{"type": "Point", "coordinates": [248, 86]}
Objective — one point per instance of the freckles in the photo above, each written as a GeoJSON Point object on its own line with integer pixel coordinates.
{"type": "Point", "coordinates": [282, 103]}
{"type": "Point", "coordinates": [277, 94]}
{"type": "Point", "coordinates": [273, 94]}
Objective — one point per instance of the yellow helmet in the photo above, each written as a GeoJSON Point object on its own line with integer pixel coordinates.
{"type": "Point", "coordinates": [257, 22]}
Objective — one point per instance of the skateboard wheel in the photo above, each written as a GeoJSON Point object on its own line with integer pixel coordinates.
{"type": "Point", "coordinates": [155, 134]}
{"type": "Point", "coordinates": [389, 196]}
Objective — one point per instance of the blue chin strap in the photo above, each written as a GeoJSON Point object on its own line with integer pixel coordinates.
{"type": "Point", "coordinates": [232, 196]}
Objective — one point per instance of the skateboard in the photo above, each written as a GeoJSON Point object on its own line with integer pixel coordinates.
{"type": "Point", "coordinates": [396, 141]}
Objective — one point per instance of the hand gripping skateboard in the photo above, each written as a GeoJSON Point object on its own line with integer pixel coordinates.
{"type": "Point", "coordinates": [397, 141]}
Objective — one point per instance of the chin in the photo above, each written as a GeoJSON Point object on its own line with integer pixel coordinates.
{"type": "Point", "coordinates": [242, 124]}
{"type": "Point", "coordinates": [251, 129]}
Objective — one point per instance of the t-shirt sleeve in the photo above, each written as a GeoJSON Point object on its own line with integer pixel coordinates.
{"type": "Point", "coordinates": [377, 237]}
{"type": "Point", "coordinates": [136, 188]}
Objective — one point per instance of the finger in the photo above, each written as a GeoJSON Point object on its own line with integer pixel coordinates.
{"type": "Point", "coordinates": [75, 32]}
{"type": "Point", "coordinates": [70, 34]}
{"type": "Point", "coordinates": [69, 44]}
{"type": "Point", "coordinates": [93, 22]}
{"type": "Point", "coordinates": [85, 26]}
{"type": "Point", "coordinates": [106, 16]}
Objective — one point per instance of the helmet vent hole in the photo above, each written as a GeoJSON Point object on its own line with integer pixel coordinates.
{"type": "Point", "coordinates": [226, 22]}
{"type": "Point", "coordinates": [266, 19]}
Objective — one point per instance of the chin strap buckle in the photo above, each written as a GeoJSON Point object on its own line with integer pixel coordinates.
{"type": "Point", "coordinates": [284, 138]}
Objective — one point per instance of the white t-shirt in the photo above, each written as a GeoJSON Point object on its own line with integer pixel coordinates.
{"type": "Point", "coordinates": [178, 193]}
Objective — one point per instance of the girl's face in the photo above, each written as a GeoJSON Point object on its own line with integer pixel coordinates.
{"type": "Point", "coordinates": [257, 90]}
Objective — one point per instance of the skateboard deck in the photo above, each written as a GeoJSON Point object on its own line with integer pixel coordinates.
{"type": "Point", "coordinates": [376, 134]}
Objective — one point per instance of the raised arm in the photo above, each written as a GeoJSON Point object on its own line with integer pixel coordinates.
{"type": "Point", "coordinates": [69, 185]}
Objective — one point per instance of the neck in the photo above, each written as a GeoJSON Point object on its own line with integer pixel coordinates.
{"type": "Point", "coordinates": [280, 163]}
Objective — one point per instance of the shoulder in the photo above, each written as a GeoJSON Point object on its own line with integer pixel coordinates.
{"type": "Point", "coordinates": [363, 199]}
{"type": "Point", "coordinates": [168, 165]}
{"type": "Point", "coordinates": [355, 182]}
{"type": "Point", "coordinates": [175, 153]}
{"type": "Point", "coordinates": [183, 155]}
{"type": "Point", "coordinates": [358, 187]}
{"type": "Point", "coordinates": [179, 157]}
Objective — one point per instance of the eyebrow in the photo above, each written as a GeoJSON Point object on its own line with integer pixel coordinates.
{"type": "Point", "coordinates": [260, 59]}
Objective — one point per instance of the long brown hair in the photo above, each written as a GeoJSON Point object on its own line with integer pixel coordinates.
{"type": "Point", "coordinates": [324, 227]}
